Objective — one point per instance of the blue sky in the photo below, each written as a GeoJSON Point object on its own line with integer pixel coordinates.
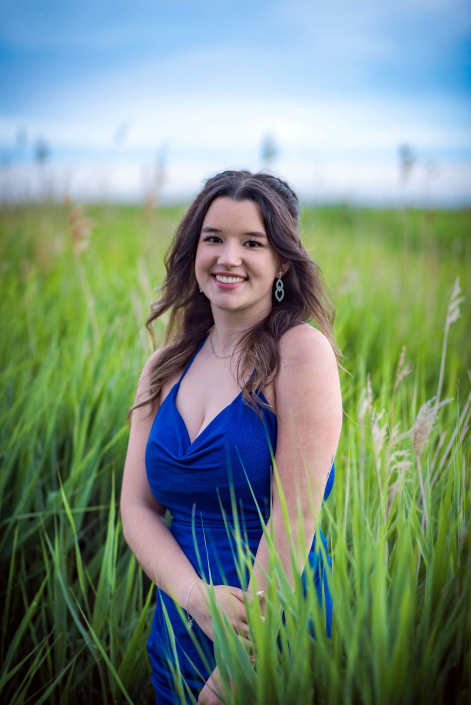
{"type": "Point", "coordinates": [338, 84]}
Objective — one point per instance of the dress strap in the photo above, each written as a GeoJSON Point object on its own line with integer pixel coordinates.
{"type": "Point", "coordinates": [191, 360]}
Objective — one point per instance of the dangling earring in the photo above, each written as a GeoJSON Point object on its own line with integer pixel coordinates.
{"type": "Point", "coordinates": [280, 290]}
{"type": "Point", "coordinates": [200, 288]}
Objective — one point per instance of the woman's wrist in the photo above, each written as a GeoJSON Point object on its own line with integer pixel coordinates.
{"type": "Point", "coordinates": [196, 598]}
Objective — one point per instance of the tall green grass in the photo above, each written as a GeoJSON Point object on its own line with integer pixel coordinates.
{"type": "Point", "coordinates": [76, 606]}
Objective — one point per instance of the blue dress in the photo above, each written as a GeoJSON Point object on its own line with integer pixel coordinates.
{"type": "Point", "coordinates": [194, 480]}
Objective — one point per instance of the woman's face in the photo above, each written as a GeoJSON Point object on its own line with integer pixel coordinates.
{"type": "Point", "coordinates": [235, 263]}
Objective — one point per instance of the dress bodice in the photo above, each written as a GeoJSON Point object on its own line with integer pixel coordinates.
{"type": "Point", "coordinates": [234, 450]}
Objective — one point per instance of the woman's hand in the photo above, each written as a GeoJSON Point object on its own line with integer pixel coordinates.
{"type": "Point", "coordinates": [230, 601]}
{"type": "Point", "coordinates": [214, 683]}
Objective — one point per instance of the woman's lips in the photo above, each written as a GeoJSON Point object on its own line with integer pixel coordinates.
{"type": "Point", "coordinates": [224, 285]}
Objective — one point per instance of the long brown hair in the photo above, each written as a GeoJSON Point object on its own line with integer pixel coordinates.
{"type": "Point", "coordinates": [191, 318]}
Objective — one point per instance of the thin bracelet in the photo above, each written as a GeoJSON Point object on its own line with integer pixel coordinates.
{"type": "Point", "coordinates": [190, 619]}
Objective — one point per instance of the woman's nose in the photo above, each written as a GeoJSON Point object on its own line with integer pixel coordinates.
{"type": "Point", "coordinates": [229, 254]}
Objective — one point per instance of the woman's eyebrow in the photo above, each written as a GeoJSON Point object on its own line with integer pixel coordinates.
{"type": "Point", "coordinates": [253, 233]}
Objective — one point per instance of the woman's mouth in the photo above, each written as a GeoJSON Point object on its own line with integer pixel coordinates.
{"type": "Point", "coordinates": [228, 282]}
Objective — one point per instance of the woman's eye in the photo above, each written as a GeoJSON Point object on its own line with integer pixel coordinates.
{"type": "Point", "coordinates": [254, 242]}
{"type": "Point", "coordinates": [208, 238]}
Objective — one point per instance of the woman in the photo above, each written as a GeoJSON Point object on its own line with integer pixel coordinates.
{"type": "Point", "coordinates": [241, 376]}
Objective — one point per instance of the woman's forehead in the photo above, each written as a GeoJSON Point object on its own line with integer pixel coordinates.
{"type": "Point", "coordinates": [226, 213]}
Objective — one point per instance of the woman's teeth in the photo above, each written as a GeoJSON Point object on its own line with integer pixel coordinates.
{"type": "Point", "coordinates": [229, 280]}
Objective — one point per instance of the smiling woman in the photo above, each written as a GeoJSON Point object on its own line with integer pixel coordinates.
{"type": "Point", "coordinates": [233, 256]}
{"type": "Point", "coordinates": [241, 382]}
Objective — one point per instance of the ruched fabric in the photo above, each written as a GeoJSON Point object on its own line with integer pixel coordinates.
{"type": "Point", "coordinates": [231, 459]}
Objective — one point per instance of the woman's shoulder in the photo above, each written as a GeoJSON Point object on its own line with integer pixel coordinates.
{"type": "Point", "coordinates": [306, 358]}
{"type": "Point", "coordinates": [153, 359]}
{"type": "Point", "coordinates": [150, 368]}
{"type": "Point", "coordinates": [303, 342]}
{"type": "Point", "coordinates": [147, 371]}
{"type": "Point", "coordinates": [308, 371]}
{"type": "Point", "coordinates": [150, 365]}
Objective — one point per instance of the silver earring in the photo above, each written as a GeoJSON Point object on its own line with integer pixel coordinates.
{"type": "Point", "coordinates": [200, 288]}
{"type": "Point", "coordinates": [280, 290]}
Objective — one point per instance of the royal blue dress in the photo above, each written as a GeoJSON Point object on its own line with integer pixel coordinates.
{"type": "Point", "coordinates": [193, 481]}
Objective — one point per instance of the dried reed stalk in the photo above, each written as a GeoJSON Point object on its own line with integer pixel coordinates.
{"type": "Point", "coordinates": [80, 230]}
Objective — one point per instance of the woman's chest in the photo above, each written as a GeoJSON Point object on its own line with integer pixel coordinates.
{"type": "Point", "coordinates": [202, 397]}
{"type": "Point", "coordinates": [234, 451]}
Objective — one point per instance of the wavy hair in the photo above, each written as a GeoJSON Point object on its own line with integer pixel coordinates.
{"type": "Point", "coordinates": [191, 318]}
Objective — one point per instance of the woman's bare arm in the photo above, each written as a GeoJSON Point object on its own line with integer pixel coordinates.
{"type": "Point", "coordinates": [309, 409]}
{"type": "Point", "coordinates": [143, 516]}
{"type": "Point", "coordinates": [153, 544]}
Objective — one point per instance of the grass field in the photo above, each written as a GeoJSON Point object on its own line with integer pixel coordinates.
{"type": "Point", "coordinates": [76, 608]}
